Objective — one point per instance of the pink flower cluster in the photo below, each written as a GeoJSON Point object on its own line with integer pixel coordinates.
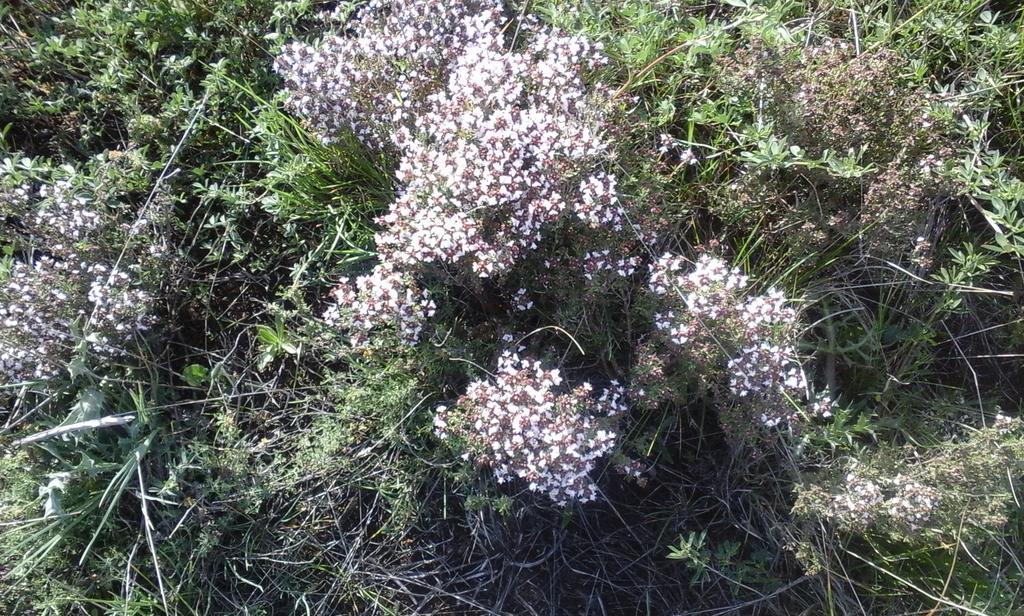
{"type": "Point", "coordinates": [384, 296]}
{"type": "Point", "coordinates": [901, 501]}
{"type": "Point", "coordinates": [33, 332]}
{"type": "Point", "coordinates": [497, 143]}
{"type": "Point", "coordinates": [525, 426]}
{"type": "Point", "coordinates": [756, 333]}
{"type": "Point", "coordinates": [711, 291]}
{"type": "Point", "coordinates": [377, 76]}
{"type": "Point", "coordinates": [60, 292]}
{"type": "Point", "coordinates": [497, 155]}
{"type": "Point", "coordinates": [598, 262]}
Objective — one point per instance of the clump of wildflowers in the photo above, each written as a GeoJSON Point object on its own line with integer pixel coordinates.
{"type": "Point", "coordinates": [707, 314]}
{"type": "Point", "coordinates": [378, 74]}
{"type": "Point", "coordinates": [912, 502]}
{"type": "Point", "coordinates": [524, 425]}
{"type": "Point", "coordinates": [32, 337]}
{"type": "Point", "coordinates": [867, 499]}
{"type": "Point", "coordinates": [382, 297]}
{"type": "Point", "coordinates": [67, 284]}
{"type": "Point", "coordinates": [498, 142]}
{"type": "Point", "coordinates": [860, 505]}
{"type": "Point", "coordinates": [959, 489]}
{"type": "Point", "coordinates": [508, 148]}
{"type": "Point", "coordinates": [63, 216]}
{"type": "Point", "coordinates": [119, 308]}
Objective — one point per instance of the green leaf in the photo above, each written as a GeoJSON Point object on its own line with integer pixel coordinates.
{"type": "Point", "coordinates": [51, 493]}
{"type": "Point", "coordinates": [196, 374]}
{"type": "Point", "coordinates": [267, 335]}
{"type": "Point", "coordinates": [264, 360]}
{"type": "Point", "coordinates": [89, 405]}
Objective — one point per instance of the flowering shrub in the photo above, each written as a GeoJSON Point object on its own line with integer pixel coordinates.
{"type": "Point", "coordinates": [959, 489]}
{"type": "Point", "coordinates": [706, 315]}
{"type": "Point", "coordinates": [68, 282]}
{"type": "Point", "coordinates": [900, 501]}
{"type": "Point", "coordinates": [379, 75]}
{"type": "Point", "coordinates": [495, 146]}
{"type": "Point", "coordinates": [384, 296]}
{"type": "Point", "coordinates": [525, 426]}
{"type": "Point", "coordinates": [499, 143]}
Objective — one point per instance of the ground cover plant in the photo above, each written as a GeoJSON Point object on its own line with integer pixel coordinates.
{"type": "Point", "coordinates": [488, 307]}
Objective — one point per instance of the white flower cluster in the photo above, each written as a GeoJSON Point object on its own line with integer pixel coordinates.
{"type": "Point", "coordinates": [710, 301]}
{"type": "Point", "coordinates": [384, 296]}
{"type": "Point", "coordinates": [488, 164]}
{"type": "Point", "coordinates": [44, 299]}
{"type": "Point", "coordinates": [667, 144]}
{"type": "Point", "coordinates": [379, 74]}
{"type": "Point", "coordinates": [18, 195]}
{"type": "Point", "coordinates": [901, 502]}
{"type": "Point", "coordinates": [494, 145]}
{"type": "Point", "coordinates": [32, 336]}
{"type": "Point", "coordinates": [822, 405]}
{"type": "Point", "coordinates": [525, 426]}
{"type": "Point", "coordinates": [859, 505]}
{"type": "Point", "coordinates": [59, 287]}
{"type": "Point", "coordinates": [599, 202]}
{"type": "Point", "coordinates": [65, 215]}
{"type": "Point", "coordinates": [912, 502]}
{"type": "Point", "coordinates": [710, 291]}
{"type": "Point", "coordinates": [119, 309]}
{"type": "Point", "coordinates": [522, 303]}
{"type": "Point", "coordinates": [598, 262]}
{"type": "Point", "coordinates": [1004, 423]}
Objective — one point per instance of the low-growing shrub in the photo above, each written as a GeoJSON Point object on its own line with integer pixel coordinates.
{"type": "Point", "coordinates": [957, 491]}
{"type": "Point", "coordinates": [710, 322]}
{"type": "Point", "coordinates": [522, 427]}
{"type": "Point", "coordinates": [501, 143]}
{"type": "Point", "coordinates": [495, 148]}
{"type": "Point", "coordinates": [77, 283]}
{"type": "Point", "coordinates": [864, 149]}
